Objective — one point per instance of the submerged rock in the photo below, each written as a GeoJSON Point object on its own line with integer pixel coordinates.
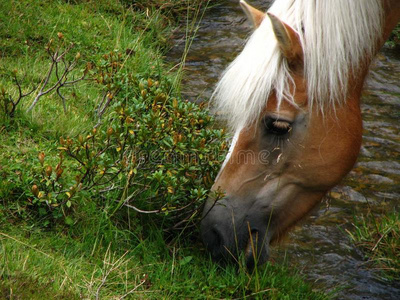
{"type": "Point", "coordinates": [379, 179]}
{"type": "Point", "coordinates": [347, 193]}
{"type": "Point", "coordinates": [392, 167]}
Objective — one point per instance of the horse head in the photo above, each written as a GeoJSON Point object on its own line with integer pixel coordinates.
{"type": "Point", "coordinates": [292, 98]}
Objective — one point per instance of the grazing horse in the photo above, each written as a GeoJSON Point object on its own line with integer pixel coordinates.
{"type": "Point", "coordinates": [292, 100]}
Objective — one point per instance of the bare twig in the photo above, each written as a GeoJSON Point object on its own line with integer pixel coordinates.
{"type": "Point", "coordinates": [62, 98]}
{"type": "Point", "coordinates": [134, 289]}
{"type": "Point", "coordinates": [109, 96]}
{"type": "Point", "coordinates": [41, 93]}
{"type": "Point", "coordinates": [21, 95]}
{"type": "Point", "coordinates": [142, 211]}
{"type": "Point", "coordinates": [62, 79]}
{"type": "Point", "coordinates": [111, 266]}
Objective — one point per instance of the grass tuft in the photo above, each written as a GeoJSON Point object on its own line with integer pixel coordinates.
{"type": "Point", "coordinates": [379, 239]}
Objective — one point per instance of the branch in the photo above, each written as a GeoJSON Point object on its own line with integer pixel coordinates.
{"type": "Point", "coordinates": [20, 95]}
{"type": "Point", "coordinates": [134, 289]}
{"type": "Point", "coordinates": [62, 84]}
{"type": "Point", "coordinates": [142, 211]}
{"type": "Point", "coordinates": [61, 80]}
{"type": "Point", "coordinates": [62, 98]}
{"type": "Point", "coordinates": [109, 98]}
{"type": "Point", "coordinates": [40, 94]}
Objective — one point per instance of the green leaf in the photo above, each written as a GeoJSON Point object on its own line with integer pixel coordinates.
{"type": "Point", "coordinates": [185, 260]}
{"type": "Point", "coordinates": [68, 220]}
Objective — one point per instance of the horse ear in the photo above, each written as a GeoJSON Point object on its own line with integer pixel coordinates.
{"type": "Point", "coordinates": [253, 14]}
{"type": "Point", "coordinates": [288, 39]}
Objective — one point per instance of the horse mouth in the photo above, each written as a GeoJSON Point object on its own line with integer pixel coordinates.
{"type": "Point", "coordinates": [256, 251]}
{"type": "Point", "coordinates": [242, 240]}
{"type": "Point", "coordinates": [251, 244]}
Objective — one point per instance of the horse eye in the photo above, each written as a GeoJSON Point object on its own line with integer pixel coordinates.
{"type": "Point", "coordinates": [277, 127]}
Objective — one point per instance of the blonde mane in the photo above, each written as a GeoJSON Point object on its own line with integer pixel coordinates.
{"type": "Point", "coordinates": [336, 37]}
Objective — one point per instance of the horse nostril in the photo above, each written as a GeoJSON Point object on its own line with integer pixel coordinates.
{"type": "Point", "coordinates": [217, 237]}
{"type": "Point", "coordinates": [214, 241]}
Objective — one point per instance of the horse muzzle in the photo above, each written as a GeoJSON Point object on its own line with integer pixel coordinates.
{"type": "Point", "coordinates": [230, 228]}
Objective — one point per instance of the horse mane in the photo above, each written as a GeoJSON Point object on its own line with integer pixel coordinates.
{"type": "Point", "coordinates": [336, 37]}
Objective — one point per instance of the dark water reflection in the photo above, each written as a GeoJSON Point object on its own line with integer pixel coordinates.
{"type": "Point", "coordinates": [320, 248]}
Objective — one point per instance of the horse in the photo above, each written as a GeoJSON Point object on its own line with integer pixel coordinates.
{"type": "Point", "coordinates": [292, 101]}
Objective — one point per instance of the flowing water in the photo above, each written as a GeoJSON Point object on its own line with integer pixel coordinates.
{"type": "Point", "coordinates": [320, 247]}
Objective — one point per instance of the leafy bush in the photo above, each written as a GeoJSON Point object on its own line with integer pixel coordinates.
{"type": "Point", "coordinates": [151, 152]}
{"type": "Point", "coordinates": [394, 39]}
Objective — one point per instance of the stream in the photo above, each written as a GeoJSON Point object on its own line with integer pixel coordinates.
{"type": "Point", "coordinates": [320, 247]}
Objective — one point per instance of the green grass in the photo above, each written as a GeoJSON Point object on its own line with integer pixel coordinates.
{"type": "Point", "coordinates": [66, 266]}
{"type": "Point", "coordinates": [95, 28]}
{"type": "Point", "coordinates": [379, 239]}
{"type": "Point", "coordinates": [97, 253]}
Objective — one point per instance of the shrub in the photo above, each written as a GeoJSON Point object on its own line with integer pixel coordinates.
{"type": "Point", "coordinates": [151, 152]}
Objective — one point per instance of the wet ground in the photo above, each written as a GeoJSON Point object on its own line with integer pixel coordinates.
{"type": "Point", "coordinates": [320, 247]}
